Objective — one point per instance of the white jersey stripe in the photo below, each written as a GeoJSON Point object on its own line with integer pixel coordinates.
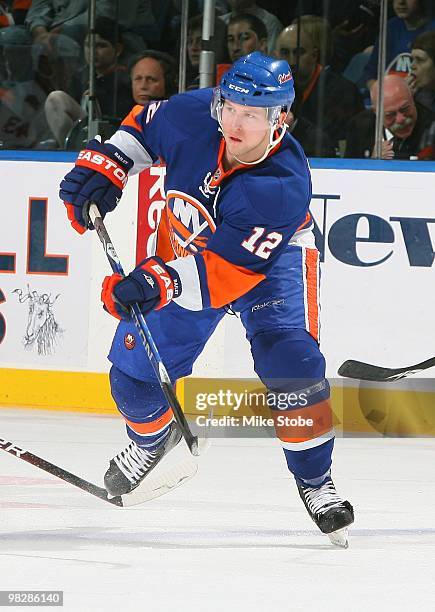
{"type": "Point", "coordinates": [129, 145]}
{"type": "Point", "coordinates": [191, 297]}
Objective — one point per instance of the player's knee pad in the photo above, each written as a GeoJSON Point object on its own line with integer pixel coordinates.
{"type": "Point", "coordinates": [287, 354]}
{"type": "Point", "coordinates": [143, 406]}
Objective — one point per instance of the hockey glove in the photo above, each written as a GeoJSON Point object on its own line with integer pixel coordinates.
{"type": "Point", "coordinates": [151, 285]}
{"type": "Point", "coordinates": [99, 176]}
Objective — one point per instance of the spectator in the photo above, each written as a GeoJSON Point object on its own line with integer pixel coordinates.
{"type": "Point", "coordinates": [112, 85]}
{"type": "Point", "coordinates": [220, 5]}
{"type": "Point", "coordinates": [153, 76]}
{"type": "Point", "coordinates": [50, 17]}
{"type": "Point", "coordinates": [324, 97]}
{"type": "Point", "coordinates": [412, 18]}
{"type": "Point", "coordinates": [13, 12]}
{"type": "Point", "coordinates": [406, 124]}
{"type": "Point", "coordinates": [315, 142]}
{"type": "Point", "coordinates": [272, 23]}
{"type": "Point", "coordinates": [16, 55]}
{"type": "Point", "coordinates": [30, 75]}
{"type": "Point", "coordinates": [246, 33]}
{"type": "Point", "coordinates": [22, 119]}
{"type": "Point", "coordinates": [22, 95]}
{"type": "Point", "coordinates": [355, 24]}
{"type": "Point", "coordinates": [196, 7]}
{"type": "Point", "coordinates": [194, 43]}
{"type": "Point", "coordinates": [422, 81]}
{"type": "Point", "coordinates": [427, 150]}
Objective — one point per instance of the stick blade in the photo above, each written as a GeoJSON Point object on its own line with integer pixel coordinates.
{"type": "Point", "coordinates": [160, 483]}
{"type": "Point", "coordinates": [156, 487]}
{"type": "Point", "coordinates": [366, 371]}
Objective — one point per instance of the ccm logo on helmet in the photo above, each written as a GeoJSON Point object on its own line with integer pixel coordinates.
{"type": "Point", "coordinates": [237, 88]}
{"type": "Point", "coordinates": [283, 78]}
{"type": "Point", "coordinates": [90, 159]}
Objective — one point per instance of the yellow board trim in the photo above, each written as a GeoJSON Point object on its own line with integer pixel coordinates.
{"type": "Point", "coordinates": [76, 391]}
{"type": "Point", "coordinates": [386, 411]}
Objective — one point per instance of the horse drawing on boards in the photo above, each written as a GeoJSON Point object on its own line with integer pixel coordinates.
{"type": "Point", "coordinates": [42, 330]}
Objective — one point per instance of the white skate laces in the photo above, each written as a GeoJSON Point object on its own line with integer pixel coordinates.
{"type": "Point", "coordinates": [321, 499]}
{"type": "Point", "coordinates": [134, 461]}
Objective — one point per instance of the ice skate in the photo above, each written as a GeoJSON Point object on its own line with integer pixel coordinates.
{"type": "Point", "coordinates": [328, 510]}
{"type": "Point", "coordinates": [129, 467]}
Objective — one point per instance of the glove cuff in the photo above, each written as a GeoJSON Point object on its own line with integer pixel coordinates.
{"type": "Point", "coordinates": [104, 165]}
{"type": "Point", "coordinates": [169, 286]}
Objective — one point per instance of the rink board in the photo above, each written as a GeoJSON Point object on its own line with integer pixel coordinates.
{"type": "Point", "coordinates": [375, 232]}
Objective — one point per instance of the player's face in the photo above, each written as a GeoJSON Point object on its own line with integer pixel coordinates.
{"type": "Point", "coordinates": [147, 80]}
{"type": "Point", "coordinates": [423, 69]}
{"type": "Point", "coordinates": [246, 130]}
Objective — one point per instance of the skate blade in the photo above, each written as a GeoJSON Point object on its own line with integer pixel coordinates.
{"type": "Point", "coordinates": [340, 537]}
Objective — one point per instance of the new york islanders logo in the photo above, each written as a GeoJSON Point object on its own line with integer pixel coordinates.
{"type": "Point", "coordinates": [129, 341]}
{"type": "Point", "coordinates": [190, 224]}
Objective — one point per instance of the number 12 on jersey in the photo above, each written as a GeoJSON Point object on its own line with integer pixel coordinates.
{"type": "Point", "coordinates": [264, 247]}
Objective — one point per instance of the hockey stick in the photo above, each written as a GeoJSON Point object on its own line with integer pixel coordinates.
{"type": "Point", "coordinates": [145, 335]}
{"type": "Point", "coordinates": [366, 371]}
{"type": "Point", "coordinates": [149, 489]}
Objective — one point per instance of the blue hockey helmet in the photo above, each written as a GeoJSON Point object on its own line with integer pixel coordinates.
{"type": "Point", "coordinates": [259, 80]}
{"type": "Point", "coordinates": [262, 81]}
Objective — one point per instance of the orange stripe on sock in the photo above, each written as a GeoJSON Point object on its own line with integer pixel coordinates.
{"type": "Point", "coordinates": [152, 426]}
{"type": "Point", "coordinates": [292, 426]}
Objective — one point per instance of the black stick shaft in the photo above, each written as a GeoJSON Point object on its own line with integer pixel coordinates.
{"type": "Point", "coordinates": [145, 335]}
{"type": "Point", "coordinates": [58, 472]}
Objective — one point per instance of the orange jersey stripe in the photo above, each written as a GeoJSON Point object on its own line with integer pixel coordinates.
{"type": "Point", "coordinates": [152, 426]}
{"type": "Point", "coordinates": [164, 247]}
{"type": "Point", "coordinates": [130, 120]}
{"type": "Point", "coordinates": [311, 269]}
{"type": "Point", "coordinates": [226, 281]}
{"type": "Point", "coordinates": [305, 222]}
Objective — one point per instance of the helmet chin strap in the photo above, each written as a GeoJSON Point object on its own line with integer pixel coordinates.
{"type": "Point", "coordinates": [272, 142]}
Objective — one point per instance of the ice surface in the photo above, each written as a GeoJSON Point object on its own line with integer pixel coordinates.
{"type": "Point", "coordinates": [234, 538]}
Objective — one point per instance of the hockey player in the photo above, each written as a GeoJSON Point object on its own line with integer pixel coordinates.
{"type": "Point", "coordinates": [236, 230]}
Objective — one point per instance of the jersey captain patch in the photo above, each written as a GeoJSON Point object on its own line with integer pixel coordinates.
{"type": "Point", "coordinates": [190, 224]}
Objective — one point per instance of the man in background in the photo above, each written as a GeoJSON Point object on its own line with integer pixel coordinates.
{"type": "Point", "coordinates": [323, 97]}
{"type": "Point", "coordinates": [272, 23]}
{"type": "Point", "coordinates": [405, 124]}
{"type": "Point", "coordinates": [153, 76]}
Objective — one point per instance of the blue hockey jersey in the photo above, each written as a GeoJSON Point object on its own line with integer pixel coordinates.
{"type": "Point", "coordinates": [221, 230]}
